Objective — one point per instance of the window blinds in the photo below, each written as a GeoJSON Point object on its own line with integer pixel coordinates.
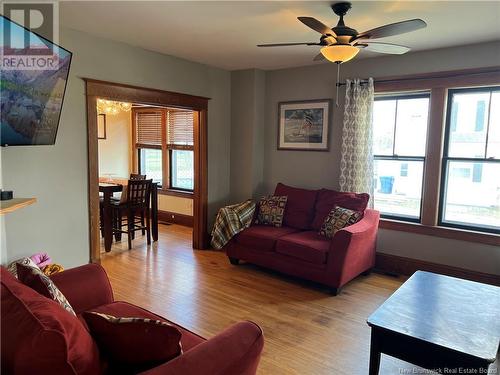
{"type": "Point", "coordinates": [148, 129]}
{"type": "Point", "coordinates": [180, 130]}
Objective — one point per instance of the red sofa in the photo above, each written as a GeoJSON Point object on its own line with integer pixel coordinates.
{"type": "Point", "coordinates": [39, 337]}
{"type": "Point", "coordinates": [297, 249]}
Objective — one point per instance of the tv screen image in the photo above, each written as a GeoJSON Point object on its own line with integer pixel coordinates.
{"type": "Point", "coordinates": [32, 86]}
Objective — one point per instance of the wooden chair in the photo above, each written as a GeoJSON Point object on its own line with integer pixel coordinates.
{"type": "Point", "coordinates": [137, 202]}
{"type": "Point", "coordinates": [135, 176]}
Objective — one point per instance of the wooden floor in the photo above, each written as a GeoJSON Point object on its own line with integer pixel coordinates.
{"type": "Point", "coordinates": [306, 330]}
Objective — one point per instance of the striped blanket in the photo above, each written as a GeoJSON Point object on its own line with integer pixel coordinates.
{"type": "Point", "coordinates": [230, 221]}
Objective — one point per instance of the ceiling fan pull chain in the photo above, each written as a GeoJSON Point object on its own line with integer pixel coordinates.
{"type": "Point", "coordinates": [337, 84]}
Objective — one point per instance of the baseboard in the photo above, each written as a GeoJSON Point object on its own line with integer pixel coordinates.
{"type": "Point", "coordinates": [406, 266]}
{"type": "Point", "coordinates": [175, 218]}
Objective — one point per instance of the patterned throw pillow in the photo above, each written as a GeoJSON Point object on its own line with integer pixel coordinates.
{"type": "Point", "coordinates": [338, 218]}
{"type": "Point", "coordinates": [133, 345]}
{"type": "Point", "coordinates": [35, 279]}
{"type": "Point", "coordinates": [271, 210]}
{"type": "Point", "coordinates": [12, 267]}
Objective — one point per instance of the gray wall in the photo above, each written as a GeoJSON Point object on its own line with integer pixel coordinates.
{"type": "Point", "coordinates": [57, 175]}
{"type": "Point", "coordinates": [321, 169]}
{"type": "Point", "coordinates": [247, 131]}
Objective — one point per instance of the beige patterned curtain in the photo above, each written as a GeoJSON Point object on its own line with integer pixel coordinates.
{"type": "Point", "coordinates": [356, 166]}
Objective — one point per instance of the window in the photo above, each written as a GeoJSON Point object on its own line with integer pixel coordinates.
{"type": "Point", "coordinates": [165, 147]}
{"type": "Point", "coordinates": [180, 145]}
{"type": "Point", "coordinates": [399, 141]}
{"type": "Point", "coordinates": [470, 186]}
{"type": "Point", "coordinates": [150, 164]}
{"type": "Point", "coordinates": [148, 126]}
{"type": "Point", "coordinates": [181, 170]}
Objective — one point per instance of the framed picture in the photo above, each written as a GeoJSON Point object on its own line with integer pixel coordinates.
{"type": "Point", "coordinates": [101, 126]}
{"type": "Point", "coordinates": [304, 125]}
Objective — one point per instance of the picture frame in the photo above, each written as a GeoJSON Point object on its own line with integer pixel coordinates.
{"type": "Point", "coordinates": [304, 125]}
{"type": "Point", "coordinates": [101, 126]}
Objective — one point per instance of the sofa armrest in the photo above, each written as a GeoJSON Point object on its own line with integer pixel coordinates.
{"type": "Point", "coordinates": [85, 287]}
{"type": "Point", "coordinates": [236, 350]}
{"type": "Point", "coordinates": [352, 250]}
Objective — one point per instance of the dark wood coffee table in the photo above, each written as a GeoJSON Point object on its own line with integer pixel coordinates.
{"type": "Point", "coordinates": [438, 322]}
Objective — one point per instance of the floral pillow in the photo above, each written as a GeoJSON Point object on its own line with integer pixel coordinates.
{"type": "Point", "coordinates": [37, 280]}
{"type": "Point", "coordinates": [271, 210]}
{"type": "Point", "coordinates": [338, 218]}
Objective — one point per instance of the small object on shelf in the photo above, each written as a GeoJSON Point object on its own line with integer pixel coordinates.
{"type": "Point", "coordinates": [15, 204]}
{"type": "Point", "coordinates": [6, 195]}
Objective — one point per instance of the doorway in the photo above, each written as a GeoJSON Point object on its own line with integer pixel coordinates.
{"type": "Point", "coordinates": [132, 94]}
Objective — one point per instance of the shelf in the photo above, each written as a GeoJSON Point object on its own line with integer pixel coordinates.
{"type": "Point", "coordinates": [14, 204]}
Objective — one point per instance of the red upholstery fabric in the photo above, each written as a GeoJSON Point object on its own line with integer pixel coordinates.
{"type": "Point", "coordinates": [262, 237]}
{"type": "Point", "coordinates": [308, 246]}
{"type": "Point", "coordinates": [39, 336]}
{"type": "Point", "coordinates": [350, 252]}
{"type": "Point", "coordinates": [85, 287]}
{"type": "Point", "coordinates": [299, 210]}
{"type": "Point", "coordinates": [188, 340]}
{"type": "Point", "coordinates": [133, 346]}
{"type": "Point", "coordinates": [236, 350]}
{"type": "Point", "coordinates": [328, 199]}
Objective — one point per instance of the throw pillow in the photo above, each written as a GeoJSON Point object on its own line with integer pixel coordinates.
{"type": "Point", "coordinates": [339, 218]}
{"type": "Point", "coordinates": [12, 267]}
{"type": "Point", "coordinates": [134, 344]}
{"type": "Point", "coordinates": [37, 280]}
{"type": "Point", "coordinates": [271, 210]}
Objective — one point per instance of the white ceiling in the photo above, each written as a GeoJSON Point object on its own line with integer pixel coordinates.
{"type": "Point", "coordinates": [225, 33]}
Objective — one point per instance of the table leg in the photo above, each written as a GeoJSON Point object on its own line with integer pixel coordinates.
{"type": "Point", "coordinates": [108, 221]}
{"type": "Point", "coordinates": [154, 212]}
{"type": "Point", "coordinates": [374, 354]}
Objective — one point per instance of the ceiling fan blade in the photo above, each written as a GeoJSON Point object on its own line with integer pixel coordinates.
{"type": "Point", "coordinates": [393, 49]}
{"type": "Point", "coordinates": [393, 29]}
{"type": "Point", "coordinates": [316, 25]}
{"type": "Point", "coordinates": [288, 44]}
{"type": "Point", "coordinates": [319, 57]}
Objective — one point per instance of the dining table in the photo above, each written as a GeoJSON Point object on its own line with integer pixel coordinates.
{"type": "Point", "coordinates": [108, 189]}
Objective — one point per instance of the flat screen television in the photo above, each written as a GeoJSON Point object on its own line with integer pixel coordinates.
{"type": "Point", "coordinates": [34, 73]}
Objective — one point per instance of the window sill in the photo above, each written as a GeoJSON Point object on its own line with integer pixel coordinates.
{"type": "Point", "coordinates": [444, 232]}
{"type": "Point", "coordinates": [176, 193]}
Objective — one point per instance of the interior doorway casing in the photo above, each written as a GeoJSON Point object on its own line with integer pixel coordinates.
{"type": "Point", "coordinates": [132, 94]}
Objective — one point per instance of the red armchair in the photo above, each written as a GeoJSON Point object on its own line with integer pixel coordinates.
{"type": "Point", "coordinates": [236, 350]}
{"type": "Point", "coordinates": [297, 249]}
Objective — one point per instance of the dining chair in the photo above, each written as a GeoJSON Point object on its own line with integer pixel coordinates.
{"type": "Point", "coordinates": [135, 176]}
{"type": "Point", "coordinates": [137, 203]}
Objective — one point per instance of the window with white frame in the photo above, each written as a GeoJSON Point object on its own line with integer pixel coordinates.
{"type": "Point", "coordinates": [470, 186]}
{"type": "Point", "coordinates": [399, 143]}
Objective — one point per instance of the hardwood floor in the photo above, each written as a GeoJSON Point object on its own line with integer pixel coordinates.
{"type": "Point", "coordinates": [306, 330]}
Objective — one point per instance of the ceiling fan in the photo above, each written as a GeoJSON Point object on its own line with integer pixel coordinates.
{"type": "Point", "coordinates": [342, 43]}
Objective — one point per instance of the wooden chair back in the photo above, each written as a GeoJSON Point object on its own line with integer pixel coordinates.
{"type": "Point", "coordinates": [135, 176]}
{"type": "Point", "coordinates": [139, 192]}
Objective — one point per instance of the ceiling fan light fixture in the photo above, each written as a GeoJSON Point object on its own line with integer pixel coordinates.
{"type": "Point", "coordinates": [339, 53]}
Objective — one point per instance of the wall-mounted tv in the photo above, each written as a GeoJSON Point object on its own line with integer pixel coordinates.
{"type": "Point", "coordinates": [34, 73]}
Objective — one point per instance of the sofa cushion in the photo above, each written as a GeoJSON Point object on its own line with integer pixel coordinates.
{"type": "Point", "coordinates": [119, 308]}
{"type": "Point", "coordinates": [328, 199]}
{"type": "Point", "coordinates": [262, 237]}
{"type": "Point", "coordinates": [37, 280]}
{"type": "Point", "coordinates": [133, 344]}
{"type": "Point", "coordinates": [299, 211]}
{"type": "Point", "coordinates": [271, 210]}
{"type": "Point", "coordinates": [308, 246]}
{"type": "Point", "coordinates": [40, 337]}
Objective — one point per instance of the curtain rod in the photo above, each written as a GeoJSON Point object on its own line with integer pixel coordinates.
{"type": "Point", "coordinates": [365, 81]}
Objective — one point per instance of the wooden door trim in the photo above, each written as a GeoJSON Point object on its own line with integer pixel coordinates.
{"type": "Point", "coordinates": [134, 94]}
